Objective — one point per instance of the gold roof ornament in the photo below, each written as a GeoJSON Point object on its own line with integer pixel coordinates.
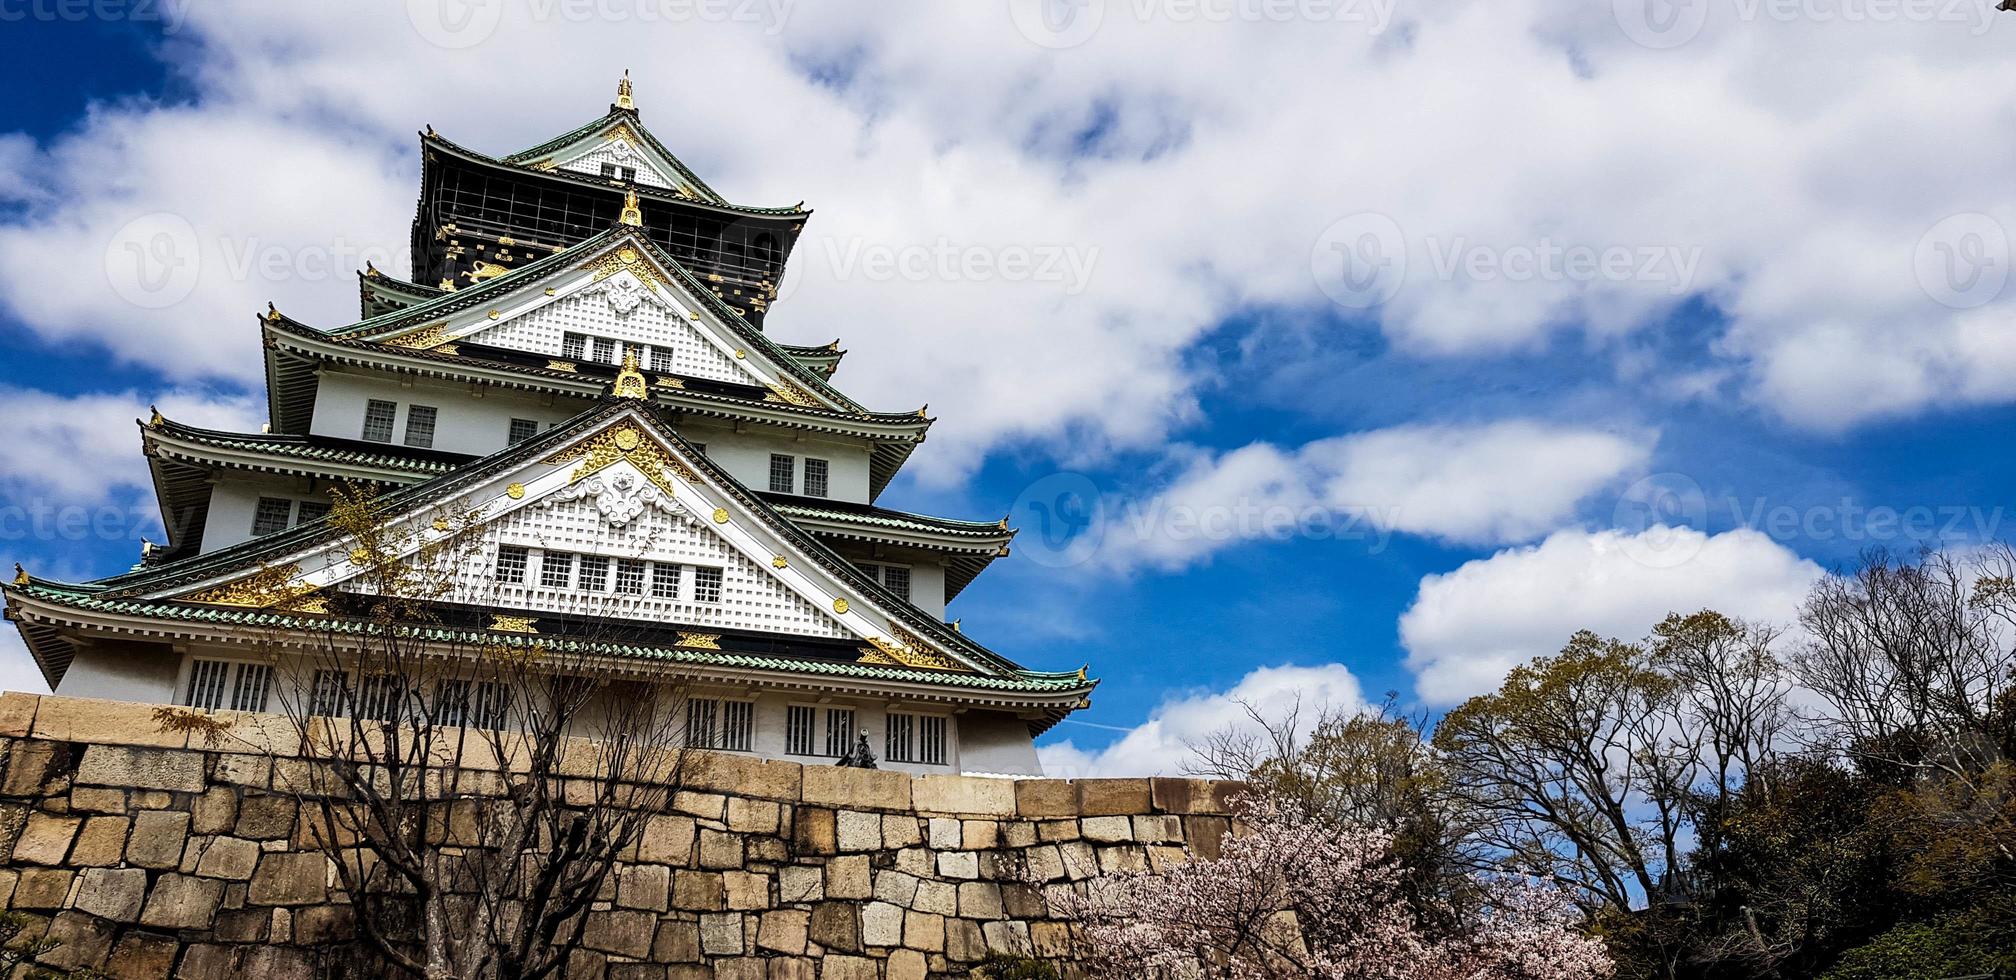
{"type": "Point", "coordinates": [630, 382]}
{"type": "Point", "coordinates": [272, 312]}
{"type": "Point", "coordinates": [155, 419]}
{"type": "Point", "coordinates": [633, 214]}
{"type": "Point", "coordinates": [623, 100]}
{"type": "Point", "coordinates": [20, 574]}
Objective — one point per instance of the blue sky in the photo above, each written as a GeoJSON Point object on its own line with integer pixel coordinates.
{"type": "Point", "coordinates": [1491, 459]}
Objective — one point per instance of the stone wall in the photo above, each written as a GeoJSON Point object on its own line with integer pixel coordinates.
{"type": "Point", "coordinates": [146, 856]}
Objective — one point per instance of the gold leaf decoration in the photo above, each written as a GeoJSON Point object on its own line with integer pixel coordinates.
{"type": "Point", "coordinates": [620, 442]}
{"type": "Point", "coordinates": [792, 392]}
{"type": "Point", "coordinates": [840, 606]}
{"type": "Point", "coordinates": [720, 515]}
{"type": "Point", "coordinates": [270, 585]}
{"type": "Point", "coordinates": [568, 366]}
{"type": "Point", "coordinates": [513, 624]}
{"type": "Point", "coordinates": [780, 562]}
{"type": "Point", "coordinates": [624, 259]}
{"type": "Point", "coordinates": [515, 491]}
{"type": "Point", "coordinates": [907, 651]}
{"type": "Point", "coordinates": [700, 641]}
{"type": "Point", "coordinates": [427, 337]}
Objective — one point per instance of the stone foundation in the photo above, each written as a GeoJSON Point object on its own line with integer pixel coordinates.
{"type": "Point", "coordinates": [147, 856]}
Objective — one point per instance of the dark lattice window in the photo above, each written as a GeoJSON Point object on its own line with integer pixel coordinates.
{"type": "Point", "coordinates": [556, 569]}
{"type": "Point", "coordinates": [664, 581]}
{"type": "Point", "coordinates": [420, 426]}
{"type": "Point", "coordinates": [523, 429]}
{"type": "Point", "coordinates": [815, 477]}
{"type": "Point", "coordinates": [594, 573]}
{"type": "Point", "coordinates": [706, 584]}
{"type": "Point", "coordinates": [783, 473]}
{"type": "Point", "coordinates": [798, 729]}
{"type": "Point", "coordinates": [574, 346]}
{"type": "Point", "coordinates": [271, 515]}
{"type": "Point", "coordinates": [311, 510]}
{"type": "Point", "coordinates": [839, 731]}
{"type": "Point", "coordinates": [512, 561]}
{"type": "Point", "coordinates": [378, 417]}
{"type": "Point", "coordinates": [629, 576]}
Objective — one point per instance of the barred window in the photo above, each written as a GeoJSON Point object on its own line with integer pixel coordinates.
{"type": "Point", "coordinates": [661, 360]}
{"type": "Point", "coordinates": [895, 578]}
{"type": "Point", "coordinates": [574, 346]}
{"type": "Point", "coordinates": [664, 581]}
{"type": "Point", "coordinates": [271, 515]}
{"type": "Point", "coordinates": [378, 417]}
{"type": "Point", "coordinates": [706, 584]}
{"type": "Point", "coordinates": [330, 694]}
{"type": "Point", "coordinates": [206, 684]}
{"type": "Point", "coordinates": [798, 729]}
{"type": "Point", "coordinates": [594, 574]}
{"type": "Point", "coordinates": [783, 473]}
{"type": "Point", "coordinates": [629, 576]}
{"type": "Point", "coordinates": [382, 698]}
{"type": "Point", "coordinates": [702, 721]}
{"type": "Point", "coordinates": [512, 560]}
{"type": "Point", "coordinates": [420, 426]}
{"type": "Point", "coordinates": [249, 687]}
{"type": "Point", "coordinates": [472, 704]}
{"type": "Point", "coordinates": [522, 429]}
{"type": "Point", "coordinates": [606, 351]}
{"type": "Point", "coordinates": [815, 477]}
{"type": "Point", "coordinates": [311, 510]}
{"type": "Point", "coordinates": [556, 569]}
{"type": "Point", "coordinates": [916, 738]}
{"type": "Point", "coordinates": [839, 731]}
{"type": "Point", "coordinates": [738, 726]}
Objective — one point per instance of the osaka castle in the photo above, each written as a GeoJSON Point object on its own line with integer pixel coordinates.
{"type": "Point", "coordinates": [578, 364]}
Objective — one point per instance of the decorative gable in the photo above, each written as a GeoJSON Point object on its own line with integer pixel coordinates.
{"type": "Point", "coordinates": [627, 310]}
{"type": "Point", "coordinates": [624, 152]}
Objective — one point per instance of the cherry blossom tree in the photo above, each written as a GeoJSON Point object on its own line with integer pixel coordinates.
{"type": "Point", "coordinates": [1291, 897]}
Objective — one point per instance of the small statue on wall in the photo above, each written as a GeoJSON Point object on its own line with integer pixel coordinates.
{"type": "Point", "coordinates": [861, 757]}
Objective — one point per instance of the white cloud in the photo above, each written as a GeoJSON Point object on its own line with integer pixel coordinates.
{"type": "Point", "coordinates": [1468, 627]}
{"type": "Point", "coordinates": [1471, 484]}
{"type": "Point", "coordinates": [1489, 133]}
{"type": "Point", "coordinates": [1161, 745]}
{"type": "Point", "coordinates": [76, 451]}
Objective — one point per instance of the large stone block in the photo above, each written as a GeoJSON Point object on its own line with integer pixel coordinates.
{"type": "Point", "coordinates": [783, 931]}
{"type": "Point", "coordinates": [698, 891]}
{"type": "Point", "coordinates": [882, 924]}
{"type": "Point", "coordinates": [182, 902]}
{"type": "Point", "coordinates": [895, 887]}
{"type": "Point", "coordinates": [290, 879]}
{"type": "Point", "coordinates": [719, 849]}
{"type": "Point", "coordinates": [142, 956]}
{"type": "Point", "coordinates": [858, 789]}
{"type": "Point", "coordinates": [900, 830]}
{"type": "Point", "coordinates": [1107, 830]}
{"type": "Point", "coordinates": [1206, 835]}
{"type": "Point", "coordinates": [813, 832]}
{"type": "Point", "coordinates": [17, 713]}
{"type": "Point", "coordinates": [158, 836]}
{"type": "Point", "coordinates": [113, 893]}
{"type": "Point", "coordinates": [752, 816]}
{"type": "Point", "coordinates": [801, 883]}
{"type": "Point", "coordinates": [318, 924]}
{"type": "Point", "coordinates": [677, 942]}
{"type": "Point", "coordinates": [925, 931]}
{"type": "Point", "coordinates": [225, 857]}
{"type": "Point", "coordinates": [623, 932]}
{"type": "Point", "coordinates": [837, 926]}
{"type": "Point", "coordinates": [847, 877]}
{"type": "Point", "coordinates": [859, 831]}
{"type": "Point", "coordinates": [667, 840]}
{"type": "Point", "coordinates": [1113, 797]}
{"type": "Point", "coordinates": [45, 839]}
{"type": "Point", "coordinates": [744, 776]}
{"type": "Point", "coordinates": [959, 865]}
{"type": "Point", "coordinates": [721, 933]}
{"type": "Point", "coordinates": [963, 941]}
{"type": "Point", "coordinates": [102, 842]}
{"type": "Point", "coordinates": [1187, 796]}
{"type": "Point", "coordinates": [970, 796]}
{"type": "Point", "coordinates": [906, 964]}
{"type": "Point", "coordinates": [850, 968]}
{"type": "Point", "coordinates": [980, 900]}
{"type": "Point", "coordinates": [265, 817]}
{"type": "Point", "coordinates": [1045, 799]}
{"type": "Point", "coordinates": [103, 723]}
{"type": "Point", "coordinates": [936, 897]}
{"type": "Point", "coordinates": [36, 768]}
{"type": "Point", "coordinates": [82, 942]}
{"type": "Point", "coordinates": [1009, 937]}
{"type": "Point", "coordinates": [126, 766]}
{"type": "Point", "coordinates": [644, 886]}
{"type": "Point", "coordinates": [43, 888]}
{"type": "Point", "coordinates": [746, 891]}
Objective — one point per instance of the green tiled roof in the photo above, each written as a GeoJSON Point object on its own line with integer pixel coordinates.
{"type": "Point", "coordinates": [82, 597]}
{"type": "Point", "coordinates": [895, 519]}
{"type": "Point", "coordinates": [300, 447]}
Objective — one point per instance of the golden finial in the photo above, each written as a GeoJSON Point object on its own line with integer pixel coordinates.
{"type": "Point", "coordinates": [921, 412]}
{"type": "Point", "coordinates": [1081, 673]}
{"type": "Point", "coordinates": [430, 130]}
{"type": "Point", "coordinates": [623, 100]}
{"type": "Point", "coordinates": [20, 574]}
{"type": "Point", "coordinates": [370, 268]}
{"type": "Point", "coordinates": [955, 626]}
{"type": "Point", "coordinates": [629, 381]}
{"type": "Point", "coordinates": [272, 313]}
{"type": "Point", "coordinates": [1004, 521]}
{"type": "Point", "coordinates": [156, 418]}
{"type": "Point", "coordinates": [633, 215]}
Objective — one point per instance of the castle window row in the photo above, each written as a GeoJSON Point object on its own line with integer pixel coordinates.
{"type": "Point", "coordinates": [596, 574]}
{"type": "Point", "coordinates": [607, 350]}
{"type": "Point", "coordinates": [381, 417]}
{"type": "Point", "coordinates": [784, 475]}
{"type": "Point", "coordinates": [280, 513]}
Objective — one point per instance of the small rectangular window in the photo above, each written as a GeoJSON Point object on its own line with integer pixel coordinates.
{"type": "Point", "coordinates": [702, 721]}
{"type": "Point", "coordinates": [738, 725]}
{"type": "Point", "coordinates": [574, 346]}
{"type": "Point", "coordinates": [420, 426]}
{"type": "Point", "coordinates": [382, 698]}
{"type": "Point", "coordinates": [378, 417]}
{"type": "Point", "coordinates": [706, 584]}
{"type": "Point", "coordinates": [594, 574]}
{"type": "Point", "coordinates": [271, 515]}
{"type": "Point", "coordinates": [895, 578]}
{"type": "Point", "coordinates": [916, 738]}
{"type": "Point", "coordinates": [798, 729]}
{"type": "Point", "coordinates": [931, 740]}
{"type": "Point", "coordinates": [512, 560]}
{"type": "Point", "coordinates": [330, 695]}
{"type": "Point", "coordinates": [556, 569]}
{"type": "Point", "coordinates": [206, 684]}
{"type": "Point", "coordinates": [783, 473]}
{"type": "Point", "coordinates": [606, 351]}
{"type": "Point", "coordinates": [522, 429]}
{"type": "Point", "coordinates": [629, 173]}
{"type": "Point", "coordinates": [899, 741]}
{"type": "Point", "coordinates": [839, 731]}
{"type": "Point", "coordinates": [629, 576]}
{"type": "Point", "coordinates": [661, 360]}
{"type": "Point", "coordinates": [609, 171]}
{"type": "Point", "coordinates": [311, 510]}
{"type": "Point", "coordinates": [472, 704]}
{"type": "Point", "coordinates": [664, 581]}
{"type": "Point", "coordinates": [815, 477]}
